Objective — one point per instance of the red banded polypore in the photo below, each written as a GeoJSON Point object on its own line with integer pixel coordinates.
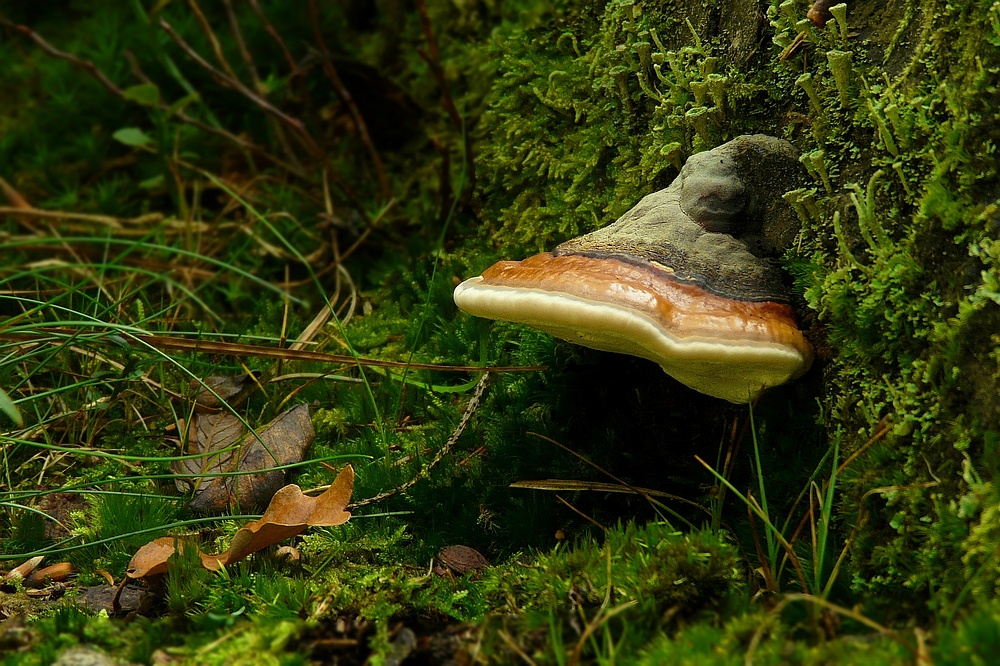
{"type": "Point", "coordinates": [663, 283]}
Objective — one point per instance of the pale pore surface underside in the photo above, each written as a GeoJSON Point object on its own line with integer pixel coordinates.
{"type": "Point", "coordinates": [731, 369]}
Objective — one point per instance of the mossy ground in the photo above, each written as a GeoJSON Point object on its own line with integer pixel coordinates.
{"type": "Point", "coordinates": [569, 113]}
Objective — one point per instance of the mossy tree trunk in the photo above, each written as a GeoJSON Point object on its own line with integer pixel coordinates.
{"type": "Point", "coordinates": [895, 109]}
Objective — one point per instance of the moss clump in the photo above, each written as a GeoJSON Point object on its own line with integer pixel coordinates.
{"type": "Point", "coordinates": [653, 565]}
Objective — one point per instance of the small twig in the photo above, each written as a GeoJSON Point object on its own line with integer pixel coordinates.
{"type": "Point", "coordinates": [433, 60]}
{"type": "Point", "coordinates": [276, 36]}
{"type": "Point", "coordinates": [509, 640]}
{"type": "Point", "coordinates": [248, 61]}
{"type": "Point", "coordinates": [16, 199]}
{"type": "Point", "coordinates": [794, 47]}
{"type": "Point", "coordinates": [104, 220]}
{"type": "Point", "coordinates": [345, 96]}
{"type": "Point", "coordinates": [94, 71]}
{"type": "Point", "coordinates": [234, 26]}
{"type": "Point", "coordinates": [164, 342]}
{"type": "Point", "coordinates": [470, 410]}
{"type": "Point", "coordinates": [62, 55]}
{"type": "Point", "coordinates": [600, 487]}
{"type": "Point", "coordinates": [638, 491]}
{"type": "Point", "coordinates": [238, 86]}
{"type": "Point", "coordinates": [882, 428]}
{"type": "Point", "coordinates": [581, 513]}
{"type": "Point", "coordinates": [212, 39]}
{"type": "Point", "coordinates": [18, 202]}
{"type": "Point", "coordinates": [750, 501]}
{"type": "Point", "coordinates": [86, 353]}
{"type": "Point", "coordinates": [765, 565]}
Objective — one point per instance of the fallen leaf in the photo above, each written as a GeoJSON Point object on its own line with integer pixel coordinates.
{"type": "Point", "coordinates": [151, 559]}
{"type": "Point", "coordinates": [462, 559]}
{"type": "Point", "coordinates": [233, 390]}
{"type": "Point", "coordinates": [289, 513]}
{"type": "Point", "coordinates": [281, 442]}
{"type": "Point", "coordinates": [206, 433]}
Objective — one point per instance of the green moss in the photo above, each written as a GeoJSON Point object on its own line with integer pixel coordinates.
{"type": "Point", "coordinates": [591, 113]}
{"type": "Point", "coordinates": [574, 110]}
{"type": "Point", "coordinates": [898, 116]}
{"type": "Point", "coordinates": [896, 306]}
{"type": "Point", "coordinates": [974, 640]}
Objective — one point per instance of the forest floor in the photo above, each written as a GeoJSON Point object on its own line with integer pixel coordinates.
{"type": "Point", "coordinates": [243, 422]}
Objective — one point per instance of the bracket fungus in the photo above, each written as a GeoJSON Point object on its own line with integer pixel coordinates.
{"type": "Point", "coordinates": [686, 278]}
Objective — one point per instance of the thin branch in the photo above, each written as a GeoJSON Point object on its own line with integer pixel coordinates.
{"type": "Point", "coordinates": [212, 39]}
{"type": "Point", "coordinates": [433, 60]}
{"type": "Point", "coordinates": [345, 96]}
{"type": "Point", "coordinates": [581, 513]}
{"type": "Point", "coordinates": [16, 199]}
{"type": "Point", "coordinates": [164, 342]}
{"type": "Point", "coordinates": [470, 410]}
{"type": "Point", "coordinates": [62, 55]}
{"type": "Point", "coordinates": [104, 220]}
{"type": "Point", "coordinates": [220, 56]}
{"type": "Point", "coordinates": [276, 36]}
{"type": "Point", "coordinates": [95, 71]}
{"type": "Point", "coordinates": [241, 45]}
{"type": "Point", "coordinates": [238, 86]}
{"type": "Point", "coordinates": [240, 142]}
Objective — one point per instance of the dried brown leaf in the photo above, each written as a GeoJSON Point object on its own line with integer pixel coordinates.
{"type": "Point", "coordinates": [205, 433]}
{"type": "Point", "coordinates": [281, 442]}
{"type": "Point", "coordinates": [289, 513]}
{"type": "Point", "coordinates": [234, 390]}
{"type": "Point", "coordinates": [151, 559]}
{"type": "Point", "coordinates": [462, 559]}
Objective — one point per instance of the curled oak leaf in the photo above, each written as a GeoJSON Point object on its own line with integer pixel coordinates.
{"type": "Point", "coordinates": [151, 559]}
{"type": "Point", "coordinates": [289, 513]}
{"type": "Point", "coordinates": [206, 433]}
{"type": "Point", "coordinates": [281, 442]}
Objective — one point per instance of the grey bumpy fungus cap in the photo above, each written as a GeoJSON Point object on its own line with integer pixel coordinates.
{"type": "Point", "coordinates": [686, 278]}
